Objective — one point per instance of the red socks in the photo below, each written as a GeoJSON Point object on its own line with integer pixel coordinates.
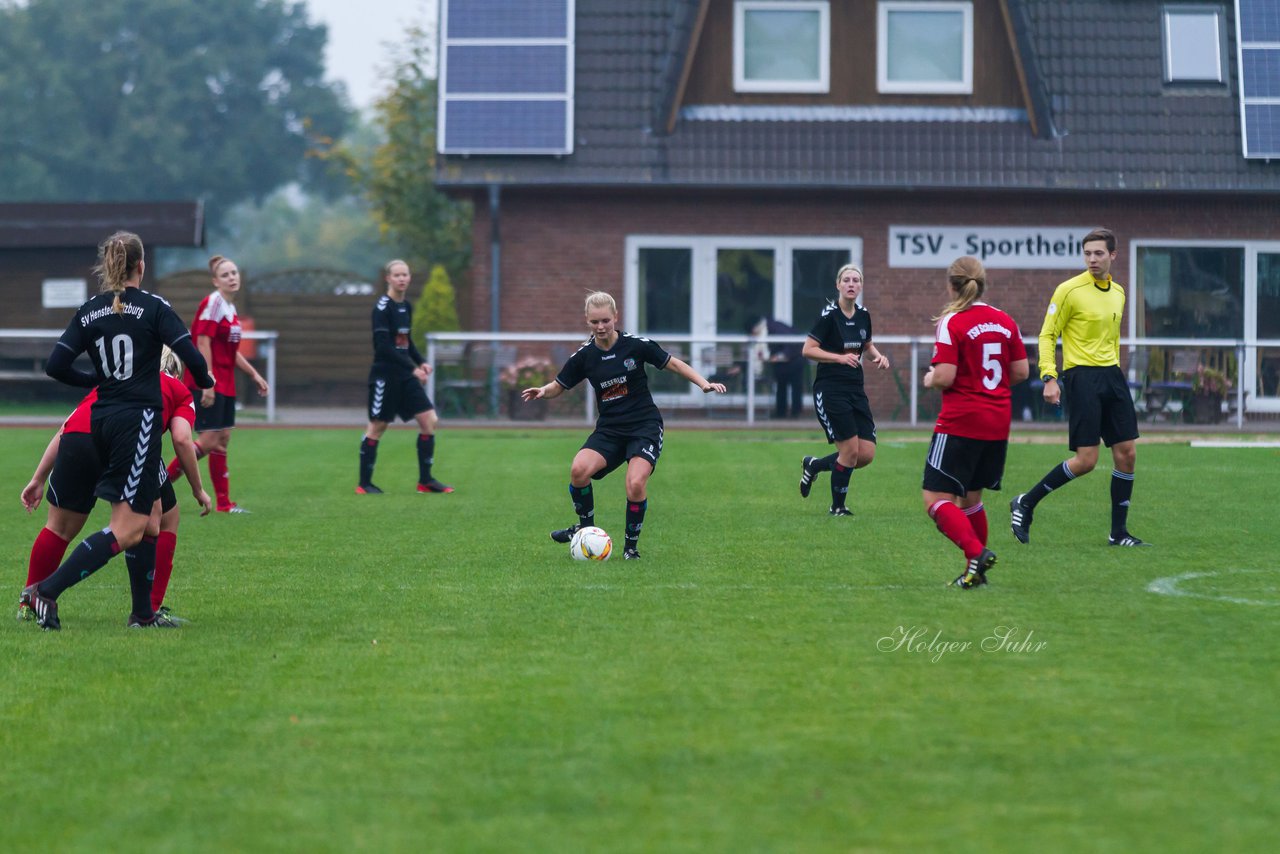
{"type": "Point", "coordinates": [166, 545]}
{"type": "Point", "coordinates": [954, 525]}
{"type": "Point", "coordinates": [978, 519]}
{"type": "Point", "coordinates": [175, 467]}
{"type": "Point", "coordinates": [46, 555]}
{"type": "Point", "coordinates": [221, 480]}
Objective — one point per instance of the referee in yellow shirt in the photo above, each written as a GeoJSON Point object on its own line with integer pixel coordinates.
{"type": "Point", "coordinates": [1086, 311]}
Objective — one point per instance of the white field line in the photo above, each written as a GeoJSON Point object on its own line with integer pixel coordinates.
{"type": "Point", "coordinates": [1169, 586]}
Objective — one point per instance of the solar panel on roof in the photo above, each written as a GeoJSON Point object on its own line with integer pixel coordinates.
{"type": "Point", "coordinates": [1258, 51]}
{"type": "Point", "coordinates": [508, 19]}
{"type": "Point", "coordinates": [506, 77]}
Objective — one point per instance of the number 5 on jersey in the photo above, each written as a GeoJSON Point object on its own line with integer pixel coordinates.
{"type": "Point", "coordinates": [991, 365]}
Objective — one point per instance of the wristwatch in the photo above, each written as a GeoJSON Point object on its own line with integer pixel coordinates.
{"type": "Point", "coordinates": [1047, 377]}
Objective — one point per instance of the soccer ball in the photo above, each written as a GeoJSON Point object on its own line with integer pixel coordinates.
{"type": "Point", "coordinates": [591, 543]}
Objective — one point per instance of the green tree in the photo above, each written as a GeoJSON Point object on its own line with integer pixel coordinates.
{"type": "Point", "coordinates": [152, 99]}
{"type": "Point", "coordinates": [291, 229]}
{"type": "Point", "coordinates": [436, 310]}
{"type": "Point", "coordinates": [399, 178]}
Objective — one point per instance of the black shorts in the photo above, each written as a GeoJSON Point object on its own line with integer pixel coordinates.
{"type": "Point", "coordinates": [957, 465]}
{"type": "Point", "coordinates": [75, 473]}
{"type": "Point", "coordinates": [128, 442]}
{"type": "Point", "coordinates": [221, 415]}
{"type": "Point", "coordinates": [844, 412]}
{"type": "Point", "coordinates": [1099, 406]}
{"type": "Point", "coordinates": [168, 498]}
{"type": "Point", "coordinates": [617, 447]}
{"type": "Point", "coordinates": [393, 395]}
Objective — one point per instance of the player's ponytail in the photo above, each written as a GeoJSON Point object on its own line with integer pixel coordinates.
{"type": "Point", "coordinates": [118, 259]}
{"type": "Point", "coordinates": [968, 280]}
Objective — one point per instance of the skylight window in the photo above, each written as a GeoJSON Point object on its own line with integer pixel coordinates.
{"type": "Point", "coordinates": [1195, 44]}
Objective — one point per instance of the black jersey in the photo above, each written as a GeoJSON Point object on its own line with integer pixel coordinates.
{"type": "Point", "coordinates": [125, 348]}
{"type": "Point", "coordinates": [619, 378]}
{"type": "Point", "coordinates": [836, 333]}
{"type": "Point", "coordinates": [392, 335]}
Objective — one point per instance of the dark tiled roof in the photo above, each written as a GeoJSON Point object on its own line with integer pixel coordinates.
{"type": "Point", "coordinates": [1095, 67]}
{"type": "Point", "coordinates": [61, 225]}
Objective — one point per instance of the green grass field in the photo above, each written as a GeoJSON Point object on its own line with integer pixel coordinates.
{"type": "Point", "coordinates": [406, 672]}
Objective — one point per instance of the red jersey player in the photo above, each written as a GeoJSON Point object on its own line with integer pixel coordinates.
{"type": "Point", "coordinates": [977, 357]}
{"type": "Point", "coordinates": [216, 330]}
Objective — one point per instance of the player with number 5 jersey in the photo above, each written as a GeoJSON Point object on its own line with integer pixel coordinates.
{"type": "Point", "coordinates": [978, 355]}
{"type": "Point", "coordinates": [123, 330]}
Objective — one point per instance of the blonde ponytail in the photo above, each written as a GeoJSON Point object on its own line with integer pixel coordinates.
{"type": "Point", "coordinates": [118, 259]}
{"type": "Point", "coordinates": [968, 279]}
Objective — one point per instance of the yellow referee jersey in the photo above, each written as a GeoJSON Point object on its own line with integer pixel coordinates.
{"type": "Point", "coordinates": [1086, 313]}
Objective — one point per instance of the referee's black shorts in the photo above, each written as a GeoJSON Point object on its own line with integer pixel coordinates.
{"type": "Point", "coordinates": [1099, 406]}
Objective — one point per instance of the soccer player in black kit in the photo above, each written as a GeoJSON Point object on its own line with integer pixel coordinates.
{"type": "Point", "coordinates": [123, 330]}
{"type": "Point", "coordinates": [629, 426]}
{"type": "Point", "coordinates": [395, 384]}
{"type": "Point", "coordinates": [838, 342]}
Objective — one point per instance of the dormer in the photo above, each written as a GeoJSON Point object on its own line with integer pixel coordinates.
{"type": "Point", "coordinates": [889, 60]}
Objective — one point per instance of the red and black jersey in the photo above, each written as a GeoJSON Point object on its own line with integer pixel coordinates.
{"type": "Point", "coordinates": [178, 403]}
{"type": "Point", "coordinates": [981, 342]}
{"type": "Point", "coordinates": [217, 320]}
{"type": "Point", "coordinates": [393, 335]}
{"type": "Point", "coordinates": [124, 348]}
{"type": "Point", "coordinates": [836, 333]}
{"type": "Point", "coordinates": [619, 379]}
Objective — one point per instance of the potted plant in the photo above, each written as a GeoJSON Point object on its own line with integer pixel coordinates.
{"type": "Point", "coordinates": [1209, 388]}
{"type": "Point", "coordinates": [525, 373]}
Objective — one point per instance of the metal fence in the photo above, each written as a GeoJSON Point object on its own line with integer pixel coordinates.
{"type": "Point", "coordinates": [1173, 380]}
{"type": "Point", "coordinates": [478, 375]}
{"type": "Point", "coordinates": [23, 353]}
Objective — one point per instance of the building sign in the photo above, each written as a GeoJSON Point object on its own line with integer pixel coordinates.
{"type": "Point", "coordinates": [63, 293]}
{"type": "Point", "coordinates": [1003, 247]}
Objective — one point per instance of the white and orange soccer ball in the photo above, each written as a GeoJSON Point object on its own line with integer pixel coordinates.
{"type": "Point", "coordinates": [591, 543]}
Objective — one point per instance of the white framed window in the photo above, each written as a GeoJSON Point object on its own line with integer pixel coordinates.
{"type": "Point", "coordinates": [1195, 44]}
{"type": "Point", "coordinates": [1219, 289]}
{"type": "Point", "coordinates": [924, 48]}
{"type": "Point", "coordinates": [782, 46]}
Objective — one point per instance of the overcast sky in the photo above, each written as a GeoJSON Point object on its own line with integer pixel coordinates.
{"type": "Point", "coordinates": [358, 34]}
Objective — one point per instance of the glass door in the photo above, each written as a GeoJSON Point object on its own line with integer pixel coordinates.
{"type": "Point", "coordinates": [663, 300]}
{"type": "Point", "coordinates": [1262, 366]}
{"type": "Point", "coordinates": [813, 283]}
{"type": "Point", "coordinates": [721, 285]}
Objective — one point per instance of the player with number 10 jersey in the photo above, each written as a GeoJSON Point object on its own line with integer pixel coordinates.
{"type": "Point", "coordinates": [123, 330]}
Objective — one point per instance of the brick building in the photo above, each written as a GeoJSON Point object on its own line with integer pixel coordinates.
{"type": "Point", "coordinates": [716, 160]}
